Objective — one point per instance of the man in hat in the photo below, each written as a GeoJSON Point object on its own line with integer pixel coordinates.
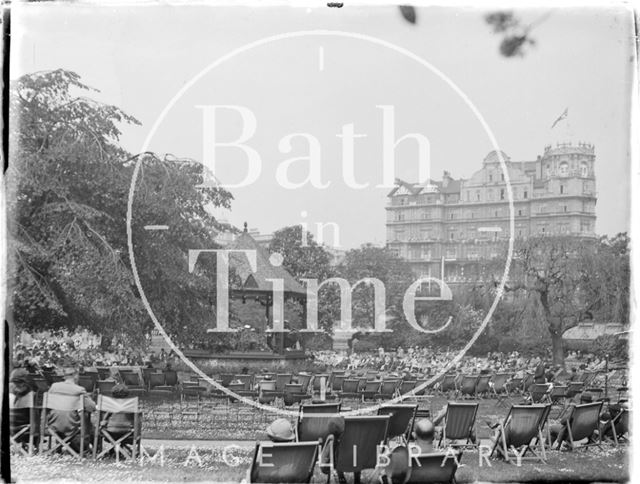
{"type": "Point", "coordinates": [67, 422]}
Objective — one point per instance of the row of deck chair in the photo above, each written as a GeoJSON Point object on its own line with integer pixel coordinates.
{"type": "Point", "coordinates": [60, 425]}
{"type": "Point", "coordinates": [355, 451]}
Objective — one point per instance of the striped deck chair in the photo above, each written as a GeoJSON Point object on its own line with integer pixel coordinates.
{"type": "Point", "coordinates": [371, 390]}
{"type": "Point", "coordinates": [23, 423]}
{"type": "Point", "coordinates": [401, 421]}
{"type": "Point", "coordinates": [468, 386]}
{"type": "Point", "coordinates": [521, 426]}
{"type": "Point", "coordinates": [313, 421]}
{"type": "Point", "coordinates": [337, 382]}
{"type": "Point", "coordinates": [63, 424]}
{"type": "Point", "coordinates": [434, 467]}
{"type": "Point", "coordinates": [460, 420]}
{"type": "Point", "coordinates": [583, 423]}
{"type": "Point", "coordinates": [288, 462]}
{"type": "Point", "coordinates": [357, 447]}
{"type": "Point", "coordinates": [304, 380]}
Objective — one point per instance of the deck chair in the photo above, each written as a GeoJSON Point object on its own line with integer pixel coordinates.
{"type": "Point", "coordinates": [527, 381]}
{"type": "Point", "coordinates": [349, 388]}
{"type": "Point", "coordinates": [482, 386]}
{"type": "Point", "coordinates": [290, 462]}
{"type": "Point", "coordinates": [401, 420]}
{"type": "Point", "coordinates": [539, 392]}
{"type": "Point", "coordinates": [267, 392]}
{"type": "Point", "coordinates": [558, 394]}
{"type": "Point", "coordinates": [460, 420]}
{"type": "Point", "coordinates": [574, 388]}
{"type": "Point", "coordinates": [371, 390]}
{"type": "Point", "coordinates": [584, 421]}
{"type": "Point", "coordinates": [119, 427]}
{"type": "Point", "coordinates": [23, 423]}
{"type": "Point", "coordinates": [388, 389]}
{"type": "Point", "coordinates": [246, 380]}
{"type": "Point", "coordinates": [171, 378]}
{"type": "Point", "coordinates": [313, 421]}
{"type": "Point", "coordinates": [405, 389]}
{"type": "Point", "coordinates": [105, 386]}
{"type": "Point", "coordinates": [448, 383]}
{"type": "Point", "coordinates": [336, 383]}
{"type": "Point", "coordinates": [468, 386]}
{"type": "Point", "coordinates": [304, 381]}
{"type": "Point", "coordinates": [435, 467]}
{"type": "Point", "coordinates": [513, 385]}
{"type": "Point", "coordinates": [620, 426]}
{"type": "Point", "coordinates": [293, 394]}
{"type": "Point", "coordinates": [357, 447]}
{"type": "Point", "coordinates": [499, 388]}
{"type": "Point", "coordinates": [156, 380]}
{"type": "Point", "coordinates": [87, 382]}
{"type": "Point", "coordinates": [282, 379]}
{"type": "Point", "coordinates": [62, 423]}
{"type": "Point", "coordinates": [521, 426]}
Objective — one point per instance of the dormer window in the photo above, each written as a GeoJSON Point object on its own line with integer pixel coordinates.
{"type": "Point", "coordinates": [564, 168]}
{"type": "Point", "coordinates": [584, 170]}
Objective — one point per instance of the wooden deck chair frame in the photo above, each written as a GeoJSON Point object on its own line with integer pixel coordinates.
{"type": "Point", "coordinates": [504, 448]}
{"type": "Point", "coordinates": [501, 393]}
{"type": "Point", "coordinates": [27, 402]}
{"type": "Point", "coordinates": [539, 393]}
{"type": "Point", "coordinates": [435, 466]}
{"type": "Point", "coordinates": [406, 410]}
{"type": "Point", "coordinates": [66, 403]}
{"type": "Point", "coordinates": [109, 405]}
{"type": "Point", "coordinates": [595, 408]}
{"type": "Point", "coordinates": [254, 475]}
{"type": "Point", "coordinates": [624, 414]}
{"type": "Point", "coordinates": [468, 386]}
{"type": "Point", "coordinates": [345, 444]}
{"type": "Point", "coordinates": [452, 407]}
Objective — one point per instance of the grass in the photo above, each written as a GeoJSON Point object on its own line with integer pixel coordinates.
{"type": "Point", "coordinates": [606, 465]}
{"type": "Point", "coordinates": [244, 426]}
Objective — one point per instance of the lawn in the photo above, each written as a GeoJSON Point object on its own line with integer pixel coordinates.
{"type": "Point", "coordinates": [606, 465]}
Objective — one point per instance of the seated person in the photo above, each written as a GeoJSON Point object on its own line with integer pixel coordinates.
{"type": "Point", "coordinates": [612, 411]}
{"type": "Point", "coordinates": [119, 424]}
{"type": "Point", "coordinates": [399, 464]}
{"type": "Point", "coordinates": [67, 422]}
{"type": "Point", "coordinates": [558, 432]}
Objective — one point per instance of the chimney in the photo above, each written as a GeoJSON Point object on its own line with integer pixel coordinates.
{"type": "Point", "coordinates": [446, 178]}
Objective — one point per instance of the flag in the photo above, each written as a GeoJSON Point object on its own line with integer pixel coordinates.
{"type": "Point", "coordinates": [561, 117]}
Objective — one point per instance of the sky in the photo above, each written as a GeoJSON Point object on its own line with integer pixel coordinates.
{"type": "Point", "coordinates": [302, 91]}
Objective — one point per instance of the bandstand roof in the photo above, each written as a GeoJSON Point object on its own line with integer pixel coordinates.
{"type": "Point", "coordinates": [258, 282]}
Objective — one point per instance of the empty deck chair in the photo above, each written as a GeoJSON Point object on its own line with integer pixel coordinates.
{"type": "Point", "coordinates": [460, 420]}
{"type": "Point", "coordinates": [521, 426]}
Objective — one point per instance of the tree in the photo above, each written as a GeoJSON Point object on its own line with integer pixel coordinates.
{"type": "Point", "coordinates": [570, 278]}
{"type": "Point", "coordinates": [67, 188]}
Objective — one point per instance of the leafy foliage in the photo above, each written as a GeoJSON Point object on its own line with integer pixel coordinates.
{"type": "Point", "coordinates": [67, 189]}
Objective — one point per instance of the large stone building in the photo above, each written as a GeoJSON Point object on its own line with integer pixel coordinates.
{"type": "Point", "coordinates": [452, 226]}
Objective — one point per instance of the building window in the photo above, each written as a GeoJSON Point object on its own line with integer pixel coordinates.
{"type": "Point", "coordinates": [451, 215]}
{"type": "Point", "coordinates": [502, 176]}
{"type": "Point", "coordinates": [561, 189]}
{"type": "Point", "coordinates": [478, 195]}
{"type": "Point", "coordinates": [495, 214]}
{"type": "Point", "coordinates": [584, 170]}
{"type": "Point", "coordinates": [564, 168]}
{"type": "Point", "coordinates": [564, 207]}
{"type": "Point", "coordinates": [451, 236]}
{"type": "Point", "coordinates": [502, 194]}
{"type": "Point", "coordinates": [473, 214]}
{"type": "Point", "coordinates": [519, 213]}
{"type": "Point", "coordinates": [525, 194]}
{"type": "Point", "coordinates": [490, 177]}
